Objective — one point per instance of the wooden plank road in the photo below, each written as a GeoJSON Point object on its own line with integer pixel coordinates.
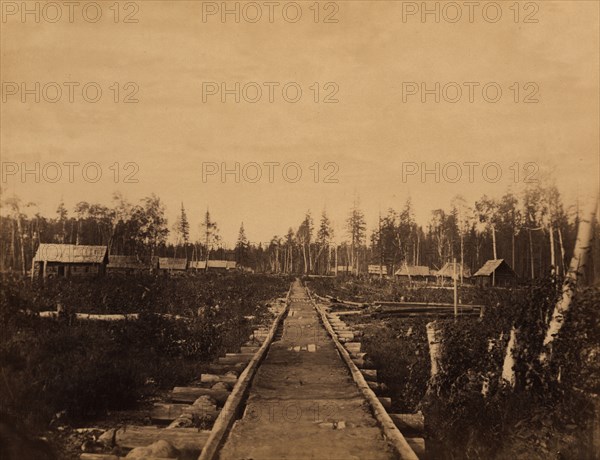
{"type": "Point", "coordinates": [303, 402]}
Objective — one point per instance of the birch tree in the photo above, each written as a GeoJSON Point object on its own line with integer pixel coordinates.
{"type": "Point", "coordinates": [583, 245]}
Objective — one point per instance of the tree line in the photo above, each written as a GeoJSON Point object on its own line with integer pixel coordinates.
{"type": "Point", "coordinates": [533, 231]}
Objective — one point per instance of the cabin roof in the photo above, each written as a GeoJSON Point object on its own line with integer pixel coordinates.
{"type": "Point", "coordinates": [448, 270]}
{"type": "Point", "coordinates": [377, 269]}
{"type": "Point", "coordinates": [413, 270]}
{"type": "Point", "coordinates": [170, 263]}
{"type": "Point", "coordinates": [120, 261]}
{"type": "Point", "coordinates": [70, 253]}
{"type": "Point", "coordinates": [490, 267]}
{"type": "Point", "coordinates": [201, 264]}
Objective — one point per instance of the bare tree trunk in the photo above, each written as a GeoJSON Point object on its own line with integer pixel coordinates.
{"type": "Point", "coordinates": [305, 259]}
{"type": "Point", "coordinates": [531, 254]}
{"type": "Point", "coordinates": [13, 245]}
{"type": "Point", "coordinates": [21, 244]}
{"type": "Point", "coordinates": [508, 367]}
{"type": "Point", "coordinates": [435, 350]}
{"type": "Point", "coordinates": [494, 242]}
{"type": "Point", "coordinates": [462, 257]}
{"type": "Point", "coordinates": [418, 248]}
{"type": "Point", "coordinates": [336, 260]}
{"type": "Point", "coordinates": [577, 267]}
{"type": "Point", "coordinates": [513, 249]}
{"type": "Point", "coordinates": [552, 253]}
{"type": "Point", "coordinates": [562, 251]}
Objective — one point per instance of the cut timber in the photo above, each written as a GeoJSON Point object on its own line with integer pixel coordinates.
{"type": "Point", "coordinates": [385, 402]}
{"type": "Point", "coordinates": [377, 387]}
{"type": "Point", "coordinates": [166, 413]}
{"type": "Point", "coordinates": [413, 423]}
{"type": "Point", "coordinates": [190, 394]}
{"type": "Point", "coordinates": [249, 349]}
{"type": "Point", "coordinates": [418, 445]}
{"type": "Point", "coordinates": [214, 378]}
{"type": "Point", "coordinates": [346, 335]}
{"type": "Point", "coordinates": [246, 355]}
{"type": "Point", "coordinates": [225, 368]}
{"type": "Point", "coordinates": [369, 374]}
{"type": "Point", "coordinates": [238, 358]}
{"type": "Point", "coordinates": [99, 457]}
{"type": "Point", "coordinates": [357, 355]}
{"type": "Point", "coordinates": [190, 439]}
{"type": "Point", "coordinates": [353, 347]}
{"type": "Point", "coordinates": [363, 363]}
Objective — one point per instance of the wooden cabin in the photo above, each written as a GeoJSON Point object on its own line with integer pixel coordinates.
{"type": "Point", "coordinates": [342, 270]}
{"type": "Point", "coordinates": [495, 272]}
{"type": "Point", "coordinates": [377, 270]}
{"type": "Point", "coordinates": [126, 265]}
{"type": "Point", "coordinates": [419, 273]}
{"type": "Point", "coordinates": [171, 265]}
{"type": "Point", "coordinates": [214, 265]}
{"type": "Point", "coordinates": [446, 273]}
{"type": "Point", "coordinates": [67, 260]}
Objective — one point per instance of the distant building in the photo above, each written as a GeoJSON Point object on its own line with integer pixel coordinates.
{"type": "Point", "coordinates": [377, 270]}
{"type": "Point", "coordinates": [448, 270]}
{"type": "Point", "coordinates": [66, 260]}
{"type": "Point", "coordinates": [342, 269]}
{"type": "Point", "coordinates": [214, 265]}
{"type": "Point", "coordinates": [420, 273]}
{"type": "Point", "coordinates": [126, 265]}
{"type": "Point", "coordinates": [495, 272]}
{"type": "Point", "coordinates": [171, 265]}
{"type": "Point", "coordinates": [231, 265]}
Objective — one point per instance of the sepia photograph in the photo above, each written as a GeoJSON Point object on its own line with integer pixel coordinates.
{"type": "Point", "coordinates": [300, 230]}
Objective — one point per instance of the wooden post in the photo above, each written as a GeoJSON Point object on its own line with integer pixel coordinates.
{"type": "Point", "coordinates": [508, 366]}
{"type": "Point", "coordinates": [435, 352]}
{"type": "Point", "coordinates": [455, 290]}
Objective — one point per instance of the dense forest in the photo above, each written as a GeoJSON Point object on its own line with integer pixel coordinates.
{"type": "Point", "coordinates": [534, 231]}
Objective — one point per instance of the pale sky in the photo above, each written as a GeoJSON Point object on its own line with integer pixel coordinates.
{"type": "Point", "coordinates": [369, 134]}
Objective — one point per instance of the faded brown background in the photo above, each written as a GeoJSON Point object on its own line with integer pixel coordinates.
{"type": "Point", "coordinates": [369, 133]}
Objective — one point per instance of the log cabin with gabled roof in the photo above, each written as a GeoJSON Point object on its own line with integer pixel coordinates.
{"type": "Point", "coordinates": [172, 265]}
{"type": "Point", "coordinates": [68, 260]}
{"type": "Point", "coordinates": [127, 265]}
{"type": "Point", "coordinates": [448, 270]}
{"type": "Point", "coordinates": [495, 272]}
{"type": "Point", "coordinates": [420, 273]}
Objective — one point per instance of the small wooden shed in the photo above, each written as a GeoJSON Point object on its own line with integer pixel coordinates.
{"type": "Point", "coordinates": [420, 273]}
{"type": "Point", "coordinates": [448, 270]}
{"type": "Point", "coordinates": [66, 260]}
{"type": "Point", "coordinates": [495, 272]}
{"type": "Point", "coordinates": [127, 265]}
{"type": "Point", "coordinates": [377, 270]}
{"type": "Point", "coordinates": [214, 265]}
{"type": "Point", "coordinates": [171, 265]}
